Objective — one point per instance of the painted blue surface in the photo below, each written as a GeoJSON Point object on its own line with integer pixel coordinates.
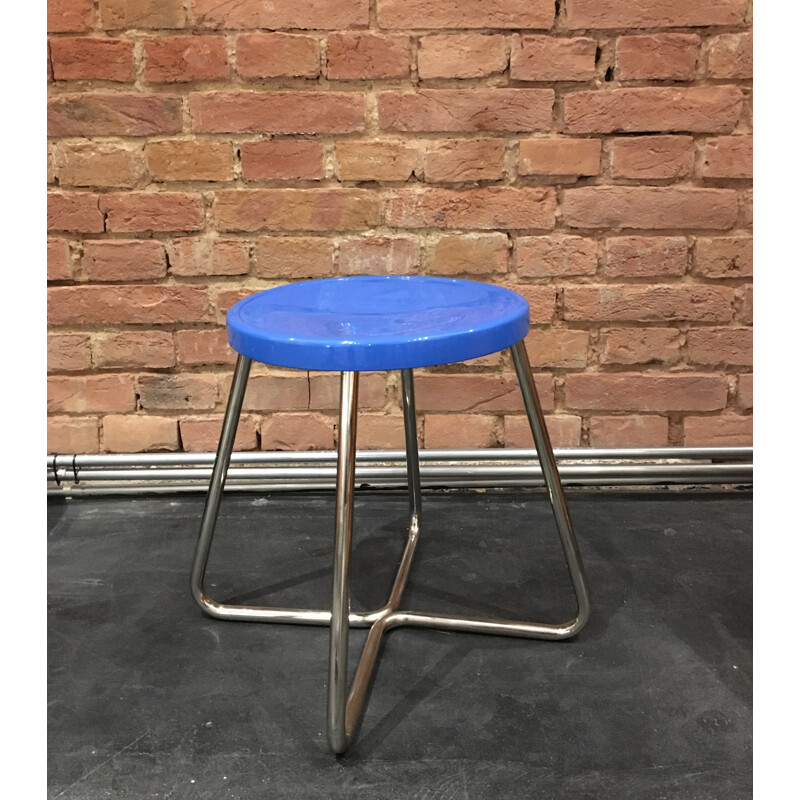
{"type": "Point", "coordinates": [376, 322]}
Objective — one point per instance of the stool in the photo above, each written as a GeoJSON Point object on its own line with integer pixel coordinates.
{"type": "Point", "coordinates": [357, 324]}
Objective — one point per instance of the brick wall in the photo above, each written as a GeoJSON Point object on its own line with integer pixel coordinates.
{"type": "Point", "coordinates": [594, 155]}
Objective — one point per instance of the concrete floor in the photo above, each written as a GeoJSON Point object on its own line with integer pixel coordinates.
{"type": "Point", "coordinates": [148, 698]}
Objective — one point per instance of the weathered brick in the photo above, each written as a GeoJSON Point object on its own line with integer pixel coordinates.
{"type": "Point", "coordinates": [701, 109]}
{"type": "Point", "coordinates": [68, 352]}
{"type": "Point", "coordinates": [356, 55]}
{"type": "Point", "coordinates": [91, 58]}
{"type": "Point", "coordinates": [724, 257]}
{"type": "Point", "coordinates": [298, 432]}
{"type": "Point", "coordinates": [73, 435]}
{"type": "Point", "coordinates": [191, 391]}
{"type": "Point", "coordinates": [59, 263]}
{"type": "Point", "coordinates": [297, 210]}
{"type": "Point", "coordinates": [225, 298]}
{"type": "Point", "coordinates": [645, 256]}
{"type": "Point", "coordinates": [187, 160]}
{"type": "Point", "coordinates": [98, 164]}
{"type": "Point", "coordinates": [659, 56]}
{"type": "Point", "coordinates": [643, 207]}
{"type": "Point", "coordinates": [201, 434]}
{"type": "Point", "coordinates": [284, 159]}
{"type": "Point", "coordinates": [564, 431]}
{"type": "Point", "coordinates": [456, 160]}
{"type": "Point", "coordinates": [559, 156]}
{"type": "Point", "coordinates": [475, 393]}
{"type": "Point", "coordinates": [101, 114]}
{"type": "Point", "coordinates": [469, 254]}
{"type": "Point", "coordinates": [379, 256]}
{"type": "Point", "coordinates": [551, 256]}
{"type": "Point", "coordinates": [179, 59]}
{"type": "Point", "coordinates": [744, 392]}
{"type": "Point", "coordinates": [293, 257]}
{"type": "Point", "coordinates": [461, 55]}
{"type": "Point", "coordinates": [74, 211]}
{"type": "Point", "coordinates": [119, 14]}
{"type": "Point", "coordinates": [485, 208]}
{"type": "Point", "coordinates": [713, 346]}
{"type": "Point", "coordinates": [459, 431]}
{"type": "Point", "coordinates": [381, 432]}
{"type": "Point", "coordinates": [270, 393]}
{"type": "Point", "coordinates": [134, 349]}
{"type": "Point", "coordinates": [644, 157]}
{"type": "Point", "coordinates": [465, 14]}
{"type": "Point", "coordinates": [89, 305]}
{"type": "Point", "coordinates": [542, 302]}
{"type": "Point", "coordinates": [631, 346]}
{"type": "Point", "coordinates": [746, 209]}
{"type": "Point", "coordinates": [123, 260]}
{"type": "Point", "coordinates": [730, 55]}
{"type": "Point", "coordinates": [745, 312]}
{"type": "Point", "coordinates": [209, 256]}
{"type": "Point", "coordinates": [81, 394]}
{"type": "Point", "coordinates": [430, 110]}
{"type": "Point", "coordinates": [277, 55]}
{"type": "Point", "coordinates": [69, 16]}
{"type": "Point", "coordinates": [725, 430]}
{"type": "Point", "coordinates": [557, 347]}
{"type": "Point", "coordinates": [653, 13]}
{"type": "Point", "coordinates": [204, 347]}
{"type": "Point", "coordinates": [376, 161]}
{"type": "Point", "coordinates": [729, 157]}
{"type": "Point", "coordinates": [277, 112]}
{"type": "Point", "coordinates": [549, 58]}
{"type": "Point", "coordinates": [130, 433]}
{"type": "Point", "coordinates": [283, 14]}
{"type": "Point", "coordinates": [153, 211]}
{"type": "Point", "coordinates": [642, 392]}
{"type": "Point", "coordinates": [648, 303]}
{"type": "Point", "coordinates": [632, 430]}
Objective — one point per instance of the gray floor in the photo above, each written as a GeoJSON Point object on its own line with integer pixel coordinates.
{"type": "Point", "coordinates": [147, 698]}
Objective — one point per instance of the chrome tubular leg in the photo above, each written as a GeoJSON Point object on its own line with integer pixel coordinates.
{"type": "Point", "coordinates": [218, 474]}
{"type": "Point", "coordinates": [547, 460]}
{"type": "Point", "coordinates": [412, 447]}
{"type": "Point", "coordinates": [338, 735]}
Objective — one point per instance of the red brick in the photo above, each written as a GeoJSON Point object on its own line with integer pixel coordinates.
{"type": "Point", "coordinates": [729, 157]}
{"type": "Point", "coordinates": [461, 55]}
{"type": "Point", "coordinates": [381, 432]}
{"type": "Point", "coordinates": [746, 209]}
{"type": "Point", "coordinates": [68, 352]}
{"type": "Point", "coordinates": [659, 56]}
{"type": "Point", "coordinates": [653, 13]}
{"type": "Point", "coordinates": [557, 347]}
{"type": "Point", "coordinates": [134, 349]}
{"type": "Point", "coordinates": [188, 160]}
{"type": "Point", "coordinates": [69, 16]}
{"type": "Point", "coordinates": [277, 55]}
{"type": "Point", "coordinates": [459, 431]}
{"type": "Point", "coordinates": [631, 346]}
{"type": "Point", "coordinates": [730, 55]}
{"type": "Point", "coordinates": [284, 159]}
{"type": "Point", "coordinates": [100, 114]}
{"type": "Point", "coordinates": [432, 14]}
{"type": "Point", "coordinates": [101, 165]}
{"type": "Point", "coordinates": [72, 435]}
{"type": "Point", "coordinates": [280, 14]}
{"type": "Point", "coordinates": [209, 256]}
{"type": "Point", "coordinates": [204, 347]}
{"type": "Point", "coordinates": [474, 393]}
{"type": "Point", "coordinates": [745, 312]}
{"type": "Point", "coordinates": [89, 305]}
{"type": "Point", "coordinates": [177, 391]}
{"type": "Point", "coordinates": [153, 211]}
{"type": "Point", "coordinates": [179, 59]}
{"type": "Point", "coordinates": [429, 110]}
{"type": "Point", "coordinates": [644, 157]}
{"type": "Point", "coordinates": [91, 58]}
{"type": "Point", "coordinates": [542, 302]}
{"type": "Point", "coordinates": [129, 433]}
{"type": "Point", "coordinates": [122, 260]}
{"type": "Point", "coordinates": [277, 112]}
{"type": "Point", "coordinates": [632, 430]}
{"type": "Point", "coordinates": [354, 55]}
{"type": "Point", "coordinates": [658, 208]}
{"type": "Point", "coordinates": [547, 58]}
{"type": "Point", "coordinates": [564, 431]}
{"type": "Point", "coordinates": [51, 165]}
{"type": "Point", "coordinates": [648, 303]}
{"type": "Point", "coordinates": [298, 432]}
{"type": "Point", "coordinates": [645, 256]}
{"type": "Point", "coordinates": [726, 430]}
{"type": "Point", "coordinates": [225, 298]}
{"type": "Point", "coordinates": [469, 254]}
{"type": "Point", "coordinates": [486, 208]}
{"type": "Point", "coordinates": [724, 257]}
{"type": "Point", "coordinates": [376, 161]}
{"type": "Point", "coordinates": [81, 394]}
{"type": "Point", "coordinates": [378, 256]}
{"type": "Point", "coordinates": [270, 393]}
{"type": "Point", "coordinates": [325, 390]}
{"type": "Point", "coordinates": [118, 14]}
{"type": "Point", "coordinates": [641, 392]}
{"type": "Point", "coordinates": [701, 109]}
{"type": "Point", "coordinates": [201, 434]}
{"type": "Point", "coordinates": [293, 257]}
{"type": "Point", "coordinates": [551, 256]}
{"type": "Point", "coordinates": [559, 156]}
{"type": "Point", "coordinates": [456, 160]}
{"type": "Point", "coordinates": [744, 392]}
{"type": "Point", "coordinates": [297, 210]}
{"type": "Point", "coordinates": [714, 346]}
{"type": "Point", "coordinates": [59, 262]}
{"type": "Point", "coordinates": [74, 212]}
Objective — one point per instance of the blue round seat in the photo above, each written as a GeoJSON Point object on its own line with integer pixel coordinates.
{"type": "Point", "coordinates": [378, 322]}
